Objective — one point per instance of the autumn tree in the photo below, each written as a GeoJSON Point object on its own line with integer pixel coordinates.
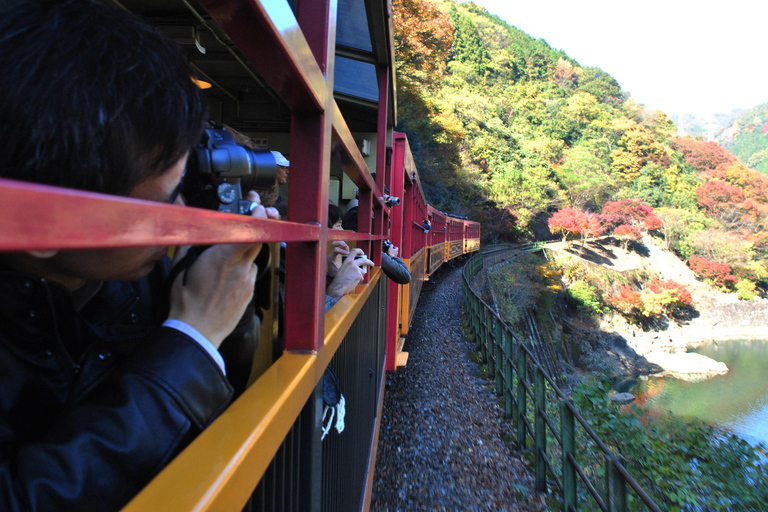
{"type": "Point", "coordinates": [423, 38]}
{"type": "Point", "coordinates": [703, 156]}
{"type": "Point", "coordinates": [626, 233]}
{"type": "Point", "coordinates": [636, 147]}
{"type": "Point", "coordinates": [567, 221]}
{"type": "Point", "coordinates": [632, 212]}
{"type": "Point", "coordinates": [721, 201]}
{"type": "Point", "coordinates": [566, 73]}
{"type": "Point", "coordinates": [716, 273]}
{"type": "Point", "coordinates": [593, 226]}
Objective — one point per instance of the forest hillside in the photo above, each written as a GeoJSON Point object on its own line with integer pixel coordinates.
{"type": "Point", "coordinates": [747, 137]}
{"type": "Point", "coordinates": [512, 132]}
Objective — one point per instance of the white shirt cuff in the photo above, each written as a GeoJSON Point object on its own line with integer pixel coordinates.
{"type": "Point", "coordinates": [199, 338]}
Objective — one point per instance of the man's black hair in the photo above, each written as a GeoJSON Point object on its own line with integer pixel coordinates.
{"type": "Point", "coordinates": [92, 97]}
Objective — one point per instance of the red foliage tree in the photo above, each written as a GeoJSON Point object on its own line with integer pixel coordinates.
{"type": "Point", "coordinates": [593, 226]}
{"type": "Point", "coordinates": [567, 221]}
{"type": "Point", "coordinates": [703, 156]}
{"type": "Point", "coordinates": [721, 200]}
{"type": "Point", "coordinates": [626, 234]}
{"type": "Point", "coordinates": [630, 211]}
{"type": "Point", "coordinates": [718, 273]}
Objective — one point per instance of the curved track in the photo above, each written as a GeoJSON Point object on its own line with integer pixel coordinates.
{"type": "Point", "coordinates": [442, 441]}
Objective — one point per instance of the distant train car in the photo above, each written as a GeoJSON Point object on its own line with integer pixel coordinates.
{"type": "Point", "coordinates": [438, 235]}
{"type": "Point", "coordinates": [265, 65]}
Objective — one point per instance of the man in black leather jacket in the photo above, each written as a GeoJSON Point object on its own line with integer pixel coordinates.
{"type": "Point", "coordinates": [98, 389]}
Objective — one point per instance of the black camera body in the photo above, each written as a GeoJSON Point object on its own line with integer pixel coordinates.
{"type": "Point", "coordinates": [392, 201]}
{"type": "Point", "coordinates": [219, 169]}
{"type": "Point", "coordinates": [386, 244]}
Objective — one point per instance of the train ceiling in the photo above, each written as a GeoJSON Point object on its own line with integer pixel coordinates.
{"type": "Point", "coordinates": [241, 98]}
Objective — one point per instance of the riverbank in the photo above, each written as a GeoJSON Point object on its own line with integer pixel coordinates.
{"type": "Point", "coordinates": [623, 350]}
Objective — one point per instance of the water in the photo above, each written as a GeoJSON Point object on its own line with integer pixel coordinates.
{"type": "Point", "coordinates": [737, 400]}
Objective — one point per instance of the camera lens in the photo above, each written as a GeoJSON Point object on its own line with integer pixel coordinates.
{"type": "Point", "coordinates": [218, 154]}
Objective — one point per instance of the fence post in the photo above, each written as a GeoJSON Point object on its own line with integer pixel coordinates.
{"type": "Point", "coordinates": [522, 376]}
{"type": "Point", "coordinates": [485, 337]}
{"type": "Point", "coordinates": [509, 363]}
{"type": "Point", "coordinates": [492, 321]}
{"type": "Point", "coordinates": [478, 324]}
{"type": "Point", "coordinates": [569, 449]}
{"type": "Point", "coordinates": [499, 356]}
{"type": "Point", "coordinates": [476, 320]}
{"type": "Point", "coordinates": [617, 487]}
{"type": "Point", "coordinates": [540, 427]}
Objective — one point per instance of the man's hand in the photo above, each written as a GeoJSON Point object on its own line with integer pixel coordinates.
{"type": "Point", "coordinates": [219, 285]}
{"type": "Point", "coordinates": [338, 249]}
{"type": "Point", "coordinates": [392, 251]}
{"type": "Point", "coordinates": [349, 275]}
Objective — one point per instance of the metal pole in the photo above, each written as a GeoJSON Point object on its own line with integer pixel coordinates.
{"type": "Point", "coordinates": [522, 375]}
{"type": "Point", "coordinates": [540, 426]}
{"type": "Point", "coordinates": [500, 360]}
{"type": "Point", "coordinates": [569, 449]}
{"type": "Point", "coordinates": [616, 485]}
{"type": "Point", "coordinates": [508, 375]}
{"type": "Point", "coordinates": [486, 332]}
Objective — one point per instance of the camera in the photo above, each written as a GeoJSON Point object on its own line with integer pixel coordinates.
{"type": "Point", "coordinates": [386, 244]}
{"type": "Point", "coordinates": [392, 201]}
{"type": "Point", "coordinates": [219, 169]}
{"type": "Point", "coordinates": [357, 257]}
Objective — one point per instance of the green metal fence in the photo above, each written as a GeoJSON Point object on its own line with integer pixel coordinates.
{"type": "Point", "coordinates": [518, 377]}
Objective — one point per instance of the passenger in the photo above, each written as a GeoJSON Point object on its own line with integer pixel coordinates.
{"type": "Point", "coordinates": [344, 273]}
{"type": "Point", "coordinates": [270, 196]}
{"type": "Point", "coordinates": [98, 391]}
{"type": "Point", "coordinates": [335, 215]}
{"type": "Point", "coordinates": [393, 267]}
{"type": "Point", "coordinates": [282, 178]}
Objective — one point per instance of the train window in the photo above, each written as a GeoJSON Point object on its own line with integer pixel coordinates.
{"type": "Point", "coordinates": [356, 79]}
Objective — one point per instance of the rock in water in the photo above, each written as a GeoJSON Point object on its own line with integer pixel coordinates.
{"type": "Point", "coordinates": [623, 398]}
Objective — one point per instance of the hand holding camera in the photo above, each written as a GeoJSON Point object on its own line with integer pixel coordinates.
{"type": "Point", "coordinates": [351, 272]}
{"type": "Point", "coordinates": [339, 250]}
{"type": "Point", "coordinates": [390, 249]}
{"type": "Point", "coordinates": [212, 294]}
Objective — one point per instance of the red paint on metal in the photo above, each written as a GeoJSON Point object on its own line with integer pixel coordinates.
{"type": "Point", "coordinates": [42, 217]}
{"type": "Point", "coordinates": [308, 196]}
{"type": "Point", "coordinates": [289, 66]}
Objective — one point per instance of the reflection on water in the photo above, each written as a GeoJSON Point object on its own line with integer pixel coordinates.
{"type": "Point", "coordinates": [737, 400]}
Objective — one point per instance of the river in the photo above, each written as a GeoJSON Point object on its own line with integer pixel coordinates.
{"type": "Point", "coordinates": [737, 400]}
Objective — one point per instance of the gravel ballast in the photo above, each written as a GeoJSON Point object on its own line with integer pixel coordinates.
{"type": "Point", "coordinates": [444, 443]}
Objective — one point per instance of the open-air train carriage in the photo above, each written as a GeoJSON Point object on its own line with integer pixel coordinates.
{"type": "Point", "coordinates": [313, 79]}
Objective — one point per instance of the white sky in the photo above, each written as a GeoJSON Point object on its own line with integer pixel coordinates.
{"type": "Point", "coordinates": [680, 56]}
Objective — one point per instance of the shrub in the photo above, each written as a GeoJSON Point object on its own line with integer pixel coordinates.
{"type": "Point", "coordinates": [746, 289]}
{"type": "Point", "coordinates": [672, 295]}
{"type": "Point", "coordinates": [627, 301]}
{"type": "Point", "coordinates": [658, 297]}
{"type": "Point", "coordinates": [718, 274]}
{"type": "Point", "coordinates": [584, 296]}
